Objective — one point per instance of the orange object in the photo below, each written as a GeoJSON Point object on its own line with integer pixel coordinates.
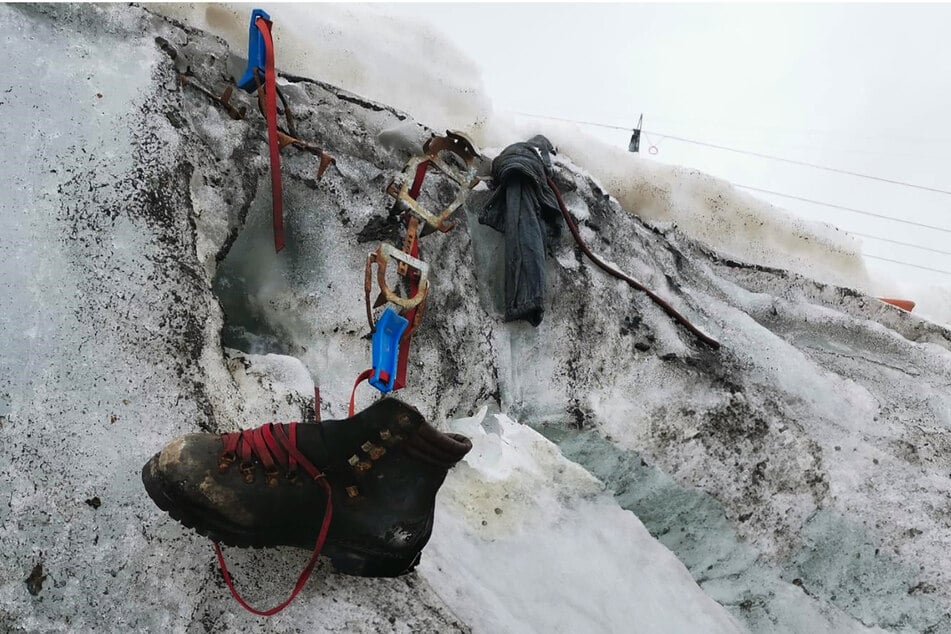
{"type": "Point", "coordinates": [904, 304]}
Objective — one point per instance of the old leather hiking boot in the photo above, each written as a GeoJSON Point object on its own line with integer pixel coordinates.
{"type": "Point", "coordinates": [269, 486]}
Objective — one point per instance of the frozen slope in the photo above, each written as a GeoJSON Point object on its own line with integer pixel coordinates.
{"type": "Point", "coordinates": [368, 50]}
{"type": "Point", "coordinates": [528, 542]}
{"type": "Point", "coordinates": [124, 191]}
{"type": "Point", "coordinates": [799, 474]}
{"type": "Point", "coordinates": [110, 343]}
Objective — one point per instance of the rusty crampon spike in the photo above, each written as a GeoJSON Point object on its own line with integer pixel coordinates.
{"type": "Point", "coordinates": [288, 116]}
{"type": "Point", "coordinates": [290, 137]}
{"type": "Point", "coordinates": [224, 100]}
{"type": "Point", "coordinates": [325, 161]}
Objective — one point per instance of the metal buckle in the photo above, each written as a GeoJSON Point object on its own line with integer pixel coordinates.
{"type": "Point", "coordinates": [225, 460]}
{"type": "Point", "coordinates": [247, 471]}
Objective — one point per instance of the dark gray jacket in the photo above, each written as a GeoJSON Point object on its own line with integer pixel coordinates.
{"type": "Point", "coordinates": [524, 208]}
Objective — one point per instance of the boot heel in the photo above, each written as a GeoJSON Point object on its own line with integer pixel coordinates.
{"type": "Point", "coordinates": [350, 562]}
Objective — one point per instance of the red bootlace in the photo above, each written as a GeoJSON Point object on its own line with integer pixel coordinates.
{"type": "Point", "coordinates": [272, 446]}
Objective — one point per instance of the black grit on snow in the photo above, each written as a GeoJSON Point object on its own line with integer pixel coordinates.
{"type": "Point", "coordinates": [801, 472]}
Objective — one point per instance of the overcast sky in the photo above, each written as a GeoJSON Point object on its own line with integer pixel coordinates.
{"type": "Point", "coordinates": [865, 88]}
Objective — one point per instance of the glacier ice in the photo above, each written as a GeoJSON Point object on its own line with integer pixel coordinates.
{"type": "Point", "coordinates": [799, 475]}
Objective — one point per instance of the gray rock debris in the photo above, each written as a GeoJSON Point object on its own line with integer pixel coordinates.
{"type": "Point", "coordinates": [801, 472]}
{"type": "Point", "coordinates": [122, 191]}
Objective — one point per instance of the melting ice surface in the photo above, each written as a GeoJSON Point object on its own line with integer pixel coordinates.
{"type": "Point", "coordinates": [786, 347]}
{"type": "Point", "coordinates": [440, 85]}
{"type": "Point", "coordinates": [528, 541]}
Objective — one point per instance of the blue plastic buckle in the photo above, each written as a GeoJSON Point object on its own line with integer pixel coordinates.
{"type": "Point", "coordinates": [386, 349]}
{"type": "Point", "coordinates": [256, 53]}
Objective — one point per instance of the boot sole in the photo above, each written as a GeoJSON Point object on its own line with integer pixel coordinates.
{"type": "Point", "coordinates": [346, 559]}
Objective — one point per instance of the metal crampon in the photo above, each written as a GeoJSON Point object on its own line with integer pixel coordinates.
{"type": "Point", "coordinates": [455, 156]}
{"type": "Point", "coordinates": [463, 175]}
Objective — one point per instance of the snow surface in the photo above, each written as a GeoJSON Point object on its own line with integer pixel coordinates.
{"type": "Point", "coordinates": [800, 474]}
{"type": "Point", "coordinates": [353, 47]}
{"type": "Point", "coordinates": [595, 567]}
{"type": "Point", "coordinates": [111, 346]}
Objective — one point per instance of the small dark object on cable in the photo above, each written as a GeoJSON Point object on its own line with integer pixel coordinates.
{"type": "Point", "coordinates": [525, 209]}
{"type": "Point", "coordinates": [635, 144]}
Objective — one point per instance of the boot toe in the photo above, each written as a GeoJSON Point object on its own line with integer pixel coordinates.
{"type": "Point", "coordinates": [180, 478]}
{"type": "Point", "coordinates": [178, 462]}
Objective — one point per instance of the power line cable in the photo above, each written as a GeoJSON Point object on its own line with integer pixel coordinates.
{"type": "Point", "coordinates": [866, 235]}
{"type": "Point", "coordinates": [842, 134]}
{"type": "Point", "coordinates": [906, 244]}
{"type": "Point", "coordinates": [917, 266]}
{"type": "Point", "coordinates": [736, 127]}
{"type": "Point", "coordinates": [806, 164]}
{"type": "Point", "coordinates": [868, 213]}
{"type": "Point", "coordinates": [591, 123]}
{"type": "Point", "coordinates": [753, 153]}
{"type": "Point", "coordinates": [844, 208]}
{"type": "Point", "coordinates": [813, 131]}
{"type": "Point", "coordinates": [808, 200]}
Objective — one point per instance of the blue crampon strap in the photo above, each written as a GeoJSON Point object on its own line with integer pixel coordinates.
{"type": "Point", "coordinates": [256, 53]}
{"type": "Point", "coordinates": [386, 349]}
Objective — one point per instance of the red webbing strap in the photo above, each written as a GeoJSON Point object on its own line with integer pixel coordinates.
{"type": "Point", "coordinates": [304, 575]}
{"type": "Point", "coordinates": [270, 106]}
{"type": "Point", "coordinates": [363, 376]}
{"type": "Point", "coordinates": [403, 359]}
{"type": "Point", "coordinates": [418, 180]}
{"type": "Point", "coordinates": [667, 308]}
